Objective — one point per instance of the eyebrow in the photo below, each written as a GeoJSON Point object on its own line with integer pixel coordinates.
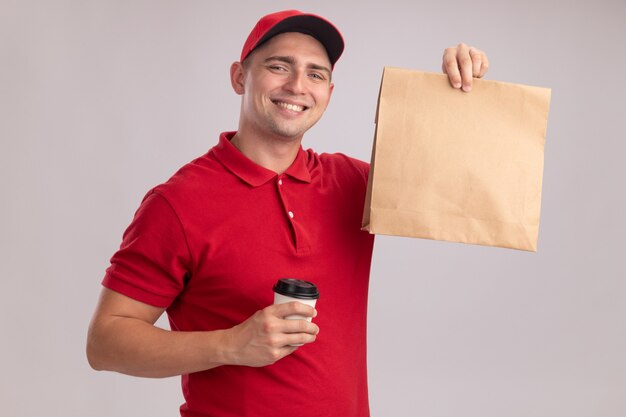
{"type": "Point", "coordinates": [291, 60]}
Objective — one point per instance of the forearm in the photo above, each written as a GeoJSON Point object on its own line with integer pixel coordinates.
{"type": "Point", "coordinates": [122, 338]}
{"type": "Point", "coordinates": [134, 347]}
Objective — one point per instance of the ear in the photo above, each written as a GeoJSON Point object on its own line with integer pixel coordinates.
{"type": "Point", "coordinates": [237, 77]}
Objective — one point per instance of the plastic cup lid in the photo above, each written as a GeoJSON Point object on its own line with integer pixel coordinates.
{"type": "Point", "coordinates": [296, 288]}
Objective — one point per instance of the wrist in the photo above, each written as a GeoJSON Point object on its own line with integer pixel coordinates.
{"type": "Point", "coordinates": [223, 350]}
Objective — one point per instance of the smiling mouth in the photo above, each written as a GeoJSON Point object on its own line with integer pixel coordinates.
{"type": "Point", "coordinates": [289, 106]}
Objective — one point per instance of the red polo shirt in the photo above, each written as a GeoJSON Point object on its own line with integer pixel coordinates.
{"type": "Point", "coordinates": [209, 244]}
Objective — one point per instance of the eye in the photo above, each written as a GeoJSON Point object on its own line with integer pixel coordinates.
{"type": "Point", "coordinates": [317, 76]}
{"type": "Point", "coordinates": [276, 67]}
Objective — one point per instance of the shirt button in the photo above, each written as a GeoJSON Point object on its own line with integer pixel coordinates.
{"type": "Point", "coordinates": [280, 182]}
{"type": "Point", "coordinates": [291, 214]}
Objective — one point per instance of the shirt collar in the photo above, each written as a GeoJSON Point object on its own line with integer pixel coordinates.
{"type": "Point", "coordinates": [252, 173]}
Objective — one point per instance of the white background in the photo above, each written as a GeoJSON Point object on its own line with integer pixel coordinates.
{"type": "Point", "coordinates": [101, 100]}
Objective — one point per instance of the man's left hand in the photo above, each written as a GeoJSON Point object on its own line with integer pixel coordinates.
{"type": "Point", "coordinates": [462, 64]}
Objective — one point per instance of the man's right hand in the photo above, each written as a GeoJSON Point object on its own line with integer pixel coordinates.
{"type": "Point", "coordinates": [267, 336]}
{"type": "Point", "coordinates": [123, 338]}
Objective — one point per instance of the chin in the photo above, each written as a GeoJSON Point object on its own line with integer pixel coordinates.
{"type": "Point", "coordinates": [285, 137]}
{"type": "Point", "coordinates": [290, 134]}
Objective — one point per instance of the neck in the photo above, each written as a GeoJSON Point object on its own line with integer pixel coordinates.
{"type": "Point", "coordinates": [270, 153]}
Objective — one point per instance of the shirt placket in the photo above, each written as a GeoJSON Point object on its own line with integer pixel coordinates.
{"type": "Point", "coordinates": [290, 213]}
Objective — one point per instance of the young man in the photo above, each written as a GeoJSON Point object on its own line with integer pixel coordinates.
{"type": "Point", "coordinates": [207, 246]}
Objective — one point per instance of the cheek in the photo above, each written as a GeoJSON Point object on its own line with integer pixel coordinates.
{"type": "Point", "coordinates": [322, 99]}
{"type": "Point", "coordinates": [255, 98]}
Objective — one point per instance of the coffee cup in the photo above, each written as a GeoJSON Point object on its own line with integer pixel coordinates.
{"type": "Point", "coordinates": [291, 289]}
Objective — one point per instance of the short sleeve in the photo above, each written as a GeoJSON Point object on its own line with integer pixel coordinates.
{"type": "Point", "coordinates": [154, 260]}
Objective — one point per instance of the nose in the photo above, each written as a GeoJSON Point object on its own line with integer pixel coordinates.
{"type": "Point", "coordinates": [296, 83]}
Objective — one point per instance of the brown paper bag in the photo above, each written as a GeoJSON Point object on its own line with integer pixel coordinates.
{"type": "Point", "coordinates": [455, 166]}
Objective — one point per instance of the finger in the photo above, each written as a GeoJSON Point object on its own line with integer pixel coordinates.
{"type": "Point", "coordinates": [298, 339]}
{"type": "Point", "coordinates": [291, 308]}
{"type": "Point", "coordinates": [293, 340]}
{"type": "Point", "coordinates": [485, 65]}
{"type": "Point", "coordinates": [480, 63]}
{"type": "Point", "coordinates": [464, 61]}
{"type": "Point", "coordinates": [450, 67]}
{"type": "Point", "coordinates": [299, 326]}
{"type": "Point", "coordinates": [477, 61]}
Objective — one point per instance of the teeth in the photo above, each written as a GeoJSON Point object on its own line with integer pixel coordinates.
{"type": "Point", "coordinates": [288, 106]}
